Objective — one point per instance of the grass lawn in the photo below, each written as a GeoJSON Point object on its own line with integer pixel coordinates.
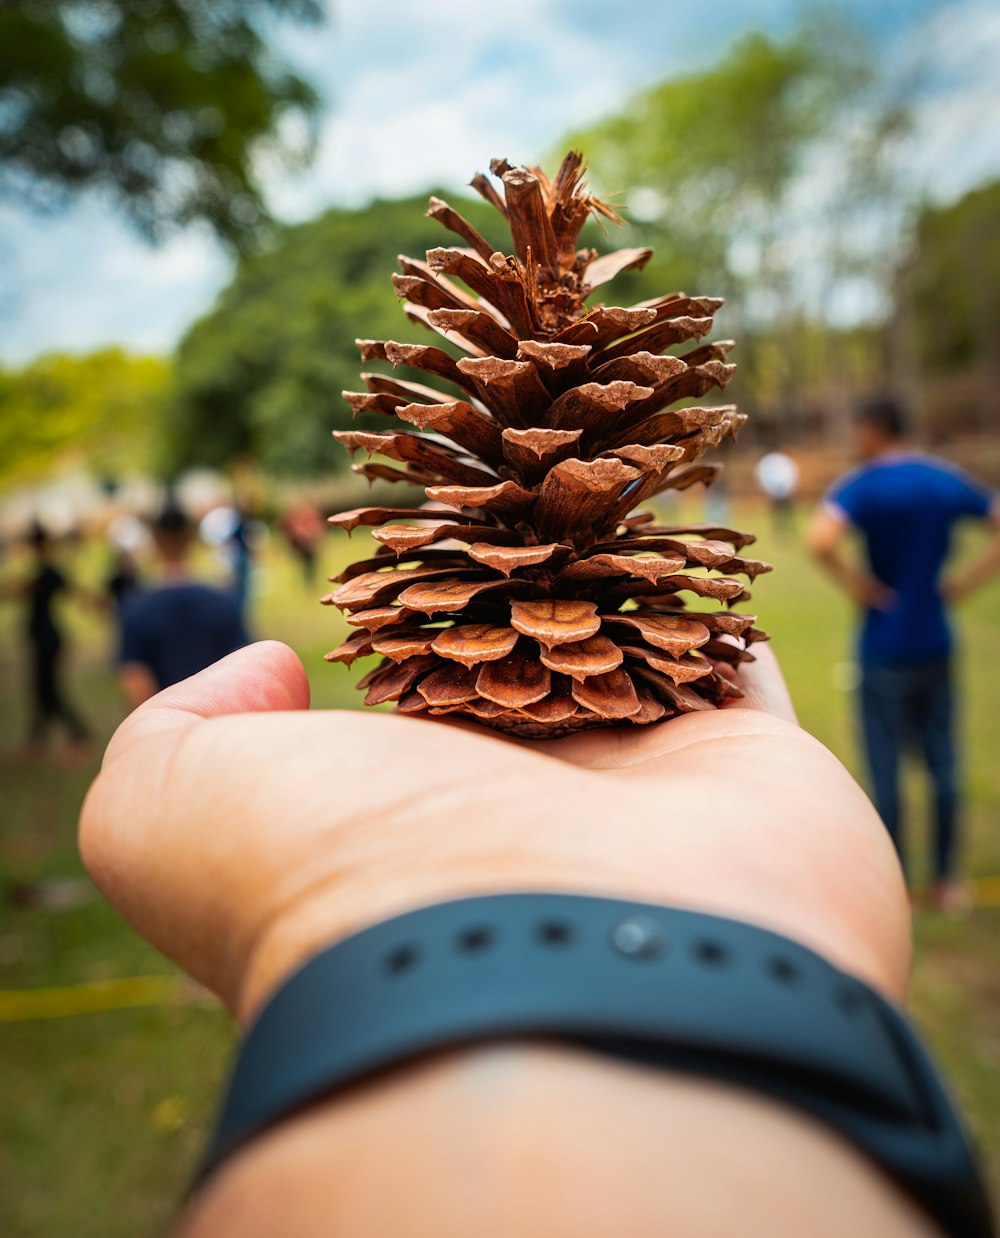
{"type": "Point", "coordinates": [104, 1112]}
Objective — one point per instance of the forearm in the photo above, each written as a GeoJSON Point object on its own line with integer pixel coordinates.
{"type": "Point", "coordinates": [541, 1140]}
{"type": "Point", "coordinates": [980, 572]}
{"type": "Point", "coordinates": [136, 683]}
{"type": "Point", "coordinates": [854, 581]}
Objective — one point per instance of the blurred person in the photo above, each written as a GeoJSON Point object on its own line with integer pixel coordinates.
{"type": "Point", "coordinates": [123, 584]}
{"type": "Point", "coordinates": [241, 557]}
{"type": "Point", "coordinates": [518, 1064]}
{"type": "Point", "coordinates": [178, 628]}
{"type": "Point", "coordinates": [777, 474]}
{"type": "Point", "coordinates": [905, 505]}
{"type": "Point", "coordinates": [303, 528]}
{"type": "Point", "coordinates": [127, 537]}
{"type": "Point", "coordinates": [49, 704]}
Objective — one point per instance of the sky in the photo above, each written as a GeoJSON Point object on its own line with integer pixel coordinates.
{"type": "Point", "coordinates": [425, 92]}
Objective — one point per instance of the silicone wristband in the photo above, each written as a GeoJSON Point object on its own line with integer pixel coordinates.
{"type": "Point", "coordinates": [663, 986]}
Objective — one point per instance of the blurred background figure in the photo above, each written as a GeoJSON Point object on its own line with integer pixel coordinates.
{"type": "Point", "coordinates": [777, 474]}
{"type": "Point", "coordinates": [235, 531]}
{"type": "Point", "coordinates": [46, 644]}
{"type": "Point", "coordinates": [123, 582]}
{"type": "Point", "coordinates": [904, 506]}
{"type": "Point", "coordinates": [180, 627]}
{"type": "Point", "coordinates": [127, 535]}
{"type": "Point", "coordinates": [241, 557]}
{"type": "Point", "coordinates": [303, 528]}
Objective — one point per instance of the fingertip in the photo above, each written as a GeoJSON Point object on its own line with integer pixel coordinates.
{"type": "Point", "coordinates": [263, 677]}
{"type": "Point", "coordinates": [276, 672]}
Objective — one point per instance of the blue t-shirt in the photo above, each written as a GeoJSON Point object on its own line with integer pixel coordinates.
{"type": "Point", "coordinates": [179, 629]}
{"type": "Point", "coordinates": [905, 506]}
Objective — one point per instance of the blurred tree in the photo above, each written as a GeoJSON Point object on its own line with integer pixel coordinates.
{"type": "Point", "coordinates": [762, 178]}
{"type": "Point", "coordinates": [708, 154]}
{"type": "Point", "coordinates": [101, 410]}
{"type": "Point", "coordinates": [954, 282]}
{"type": "Point", "coordinates": [167, 104]}
{"type": "Point", "coordinates": [263, 372]}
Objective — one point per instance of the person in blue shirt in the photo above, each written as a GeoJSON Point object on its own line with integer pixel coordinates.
{"type": "Point", "coordinates": [905, 506]}
{"type": "Point", "coordinates": [179, 628]}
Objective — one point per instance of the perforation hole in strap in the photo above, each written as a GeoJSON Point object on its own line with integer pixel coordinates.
{"type": "Point", "coordinates": [783, 970]}
{"type": "Point", "coordinates": [475, 939]}
{"type": "Point", "coordinates": [710, 952]}
{"type": "Point", "coordinates": [401, 959]}
{"type": "Point", "coordinates": [554, 932]}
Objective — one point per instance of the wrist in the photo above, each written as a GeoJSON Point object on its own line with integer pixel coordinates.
{"type": "Point", "coordinates": [794, 878]}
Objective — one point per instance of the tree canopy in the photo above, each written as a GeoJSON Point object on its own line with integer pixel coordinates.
{"type": "Point", "coordinates": [102, 410]}
{"type": "Point", "coordinates": [167, 104]}
{"type": "Point", "coordinates": [954, 281]}
{"type": "Point", "coordinates": [758, 178]}
{"type": "Point", "coordinates": [263, 372]}
{"type": "Point", "coordinates": [713, 152]}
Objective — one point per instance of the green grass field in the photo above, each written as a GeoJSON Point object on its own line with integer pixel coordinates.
{"type": "Point", "coordinates": [103, 1112]}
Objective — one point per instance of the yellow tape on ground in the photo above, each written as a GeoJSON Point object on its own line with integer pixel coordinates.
{"type": "Point", "coordinates": [71, 999]}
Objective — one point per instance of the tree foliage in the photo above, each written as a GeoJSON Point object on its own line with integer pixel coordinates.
{"type": "Point", "coordinates": [263, 372]}
{"type": "Point", "coordinates": [165, 103]}
{"type": "Point", "coordinates": [102, 410]}
{"type": "Point", "coordinates": [954, 282]}
{"type": "Point", "coordinates": [715, 152]}
{"type": "Point", "coordinates": [761, 178]}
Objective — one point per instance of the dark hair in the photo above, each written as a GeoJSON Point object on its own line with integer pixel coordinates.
{"type": "Point", "coordinates": [172, 521]}
{"type": "Point", "coordinates": [38, 536]}
{"type": "Point", "coordinates": [887, 414]}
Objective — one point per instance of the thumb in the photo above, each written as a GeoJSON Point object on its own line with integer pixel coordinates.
{"type": "Point", "coordinates": [264, 677]}
{"type": "Point", "coordinates": [261, 678]}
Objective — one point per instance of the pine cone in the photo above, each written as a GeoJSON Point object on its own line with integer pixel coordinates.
{"type": "Point", "coordinates": [530, 593]}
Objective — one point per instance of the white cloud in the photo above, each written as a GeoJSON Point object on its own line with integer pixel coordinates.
{"type": "Point", "coordinates": [954, 55]}
{"type": "Point", "coordinates": [83, 280]}
{"type": "Point", "coordinates": [427, 93]}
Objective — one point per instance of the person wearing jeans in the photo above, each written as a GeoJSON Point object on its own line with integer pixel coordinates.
{"type": "Point", "coordinates": [905, 505]}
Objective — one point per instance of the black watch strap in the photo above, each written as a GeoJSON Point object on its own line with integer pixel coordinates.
{"type": "Point", "coordinates": [659, 985]}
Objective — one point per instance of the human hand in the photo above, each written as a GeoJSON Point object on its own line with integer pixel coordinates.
{"type": "Point", "coordinates": [872, 593]}
{"type": "Point", "coordinates": [957, 588]}
{"type": "Point", "coordinates": [240, 832]}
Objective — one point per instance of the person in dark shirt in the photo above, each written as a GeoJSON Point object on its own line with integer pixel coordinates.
{"type": "Point", "coordinates": [905, 506]}
{"type": "Point", "coordinates": [179, 628]}
{"type": "Point", "coordinates": [45, 642]}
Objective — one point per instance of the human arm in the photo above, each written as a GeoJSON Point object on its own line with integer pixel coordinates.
{"type": "Point", "coordinates": [137, 679]}
{"type": "Point", "coordinates": [824, 540]}
{"type": "Point", "coordinates": [14, 590]}
{"type": "Point", "coordinates": [136, 683]}
{"type": "Point", "coordinates": [240, 834]}
{"type": "Point", "coordinates": [982, 570]}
